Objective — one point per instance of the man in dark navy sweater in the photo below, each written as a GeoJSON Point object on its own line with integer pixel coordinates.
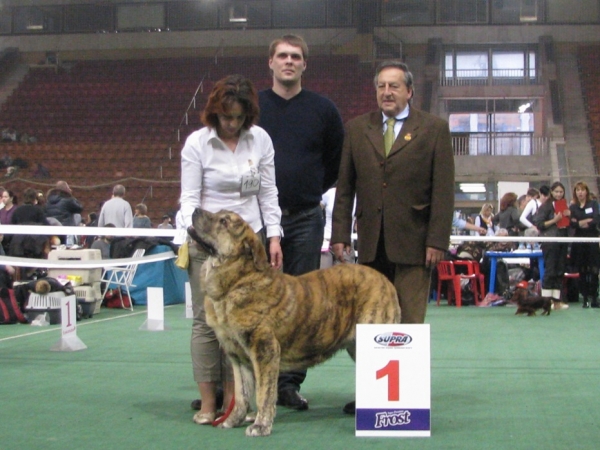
{"type": "Point", "coordinates": [307, 133]}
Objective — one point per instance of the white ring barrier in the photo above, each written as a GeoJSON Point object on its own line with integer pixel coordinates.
{"type": "Point", "coordinates": [76, 264]}
{"type": "Point", "coordinates": [457, 239]}
{"type": "Point", "coordinates": [88, 231]}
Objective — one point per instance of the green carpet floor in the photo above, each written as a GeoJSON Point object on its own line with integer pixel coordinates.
{"type": "Point", "coordinates": [499, 381]}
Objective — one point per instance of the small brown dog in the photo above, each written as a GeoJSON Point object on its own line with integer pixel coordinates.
{"type": "Point", "coordinates": [527, 303]}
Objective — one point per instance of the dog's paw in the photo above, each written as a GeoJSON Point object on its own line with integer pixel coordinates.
{"type": "Point", "coordinates": [235, 419]}
{"type": "Point", "coordinates": [258, 430]}
{"type": "Point", "coordinates": [227, 424]}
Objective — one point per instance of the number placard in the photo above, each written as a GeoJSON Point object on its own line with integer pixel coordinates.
{"type": "Point", "coordinates": [250, 185]}
{"type": "Point", "coordinates": [68, 315]}
{"type": "Point", "coordinates": [393, 380]}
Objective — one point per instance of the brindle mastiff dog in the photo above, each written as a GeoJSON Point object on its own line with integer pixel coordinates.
{"type": "Point", "coordinates": [268, 321]}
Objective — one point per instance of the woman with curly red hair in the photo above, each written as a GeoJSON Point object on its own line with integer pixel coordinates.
{"type": "Point", "coordinates": [509, 215]}
{"type": "Point", "coordinates": [229, 164]}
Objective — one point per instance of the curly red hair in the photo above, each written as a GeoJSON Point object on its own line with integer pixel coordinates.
{"type": "Point", "coordinates": [226, 92]}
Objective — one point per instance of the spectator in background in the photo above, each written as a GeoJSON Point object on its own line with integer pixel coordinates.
{"type": "Point", "coordinates": [484, 219]}
{"type": "Point", "coordinates": [532, 206]}
{"type": "Point", "coordinates": [41, 199]}
{"type": "Point", "coordinates": [166, 223]}
{"type": "Point", "coordinates": [549, 221]}
{"type": "Point", "coordinates": [462, 224]}
{"type": "Point", "coordinates": [10, 201]}
{"type": "Point", "coordinates": [585, 256]}
{"type": "Point", "coordinates": [116, 210]}
{"type": "Point", "coordinates": [61, 204]}
{"type": "Point", "coordinates": [508, 217]}
{"type": "Point", "coordinates": [92, 221]}
{"type": "Point", "coordinates": [29, 212]}
{"type": "Point", "coordinates": [103, 243]}
{"type": "Point", "coordinates": [6, 272]}
{"type": "Point", "coordinates": [2, 189]}
{"type": "Point", "coordinates": [522, 201]}
{"type": "Point", "coordinates": [140, 219]}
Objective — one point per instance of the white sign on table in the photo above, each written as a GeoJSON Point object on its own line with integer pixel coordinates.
{"type": "Point", "coordinates": [393, 380]}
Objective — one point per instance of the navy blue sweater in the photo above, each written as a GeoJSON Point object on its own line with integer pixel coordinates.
{"type": "Point", "coordinates": [307, 133]}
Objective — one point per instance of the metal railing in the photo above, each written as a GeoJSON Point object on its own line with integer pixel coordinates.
{"type": "Point", "coordinates": [499, 144]}
{"type": "Point", "coordinates": [488, 77]}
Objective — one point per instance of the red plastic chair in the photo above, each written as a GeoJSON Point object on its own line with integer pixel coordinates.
{"type": "Point", "coordinates": [447, 273]}
{"type": "Point", "coordinates": [473, 269]}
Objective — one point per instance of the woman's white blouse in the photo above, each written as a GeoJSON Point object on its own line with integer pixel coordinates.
{"type": "Point", "coordinates": [211, 177]}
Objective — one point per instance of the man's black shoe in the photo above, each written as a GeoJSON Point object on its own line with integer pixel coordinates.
{"type": "Point", "coordinates": [292, 399]}
{"type": "Point", "coordinates": [197, 404]}
{"type": "Point", "coordinates": [350, 408]}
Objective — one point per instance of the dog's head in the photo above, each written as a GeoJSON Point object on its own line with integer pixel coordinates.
{"type": "Point", "coordinates": [519, 295]}
{"type": "Point", "coordinates": [225, 235]}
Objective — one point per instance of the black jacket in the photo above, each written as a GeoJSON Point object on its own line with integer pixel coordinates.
{"type": "Point", "coordinates": [62, 206]}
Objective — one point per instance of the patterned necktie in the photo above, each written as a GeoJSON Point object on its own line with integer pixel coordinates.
{"type": "Point", "coordinates": [389, 136]}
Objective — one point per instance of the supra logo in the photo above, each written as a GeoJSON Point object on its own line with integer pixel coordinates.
{"type": "Point", "coordinates": [393, 339]}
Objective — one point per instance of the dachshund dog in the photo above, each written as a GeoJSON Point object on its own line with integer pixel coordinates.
{"type": "Point", "coordinates": [527, 303]}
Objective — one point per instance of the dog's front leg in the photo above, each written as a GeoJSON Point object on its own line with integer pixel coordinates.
{"type": "Point", "coordinates": [265, 361]}
{"type": "Point", "coordinates": [238, 413]}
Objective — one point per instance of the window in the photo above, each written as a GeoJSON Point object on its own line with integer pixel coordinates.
{"type": "Point", "coordinates": [257, 14]}
{"type": "Point", "coordinates": [471, 67]}
{"type": "Point", "coordinates": [559, 11]}
{"type": "Point", "coordinates": [493, 127]}
{"type": "Point", "coordinates": [38, 19]}
{"type": "Point", "coordinates": [467, 65]}
{"type": "Point", "coordinates": [292, 13]}
{"type": "Point", "coordinates": [462, 11]}
{"type": "Point", "coordinates": [88, 18]}
{"type": "Point", "coordinates": [145, 16]}
{"type": "Point", "coordinates": [407, 12]}
{"type": "Point", "coordinates": [199, 15]}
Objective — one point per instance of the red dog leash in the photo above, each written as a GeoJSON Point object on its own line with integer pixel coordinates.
{"type": "Point", "coordinates": [224, 417]}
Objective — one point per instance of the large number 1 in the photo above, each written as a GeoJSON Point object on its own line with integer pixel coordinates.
{"type": "Point", "coordinates": [392, 371]}
{"type": "Point", "coordinates": [68, 314]}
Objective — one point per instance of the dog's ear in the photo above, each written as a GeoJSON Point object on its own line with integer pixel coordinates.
{"type": "Point", "coordinates": [256, 250]}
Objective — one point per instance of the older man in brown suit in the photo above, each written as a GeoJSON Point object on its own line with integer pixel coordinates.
{"type": "Point", "coordinates": [404, 194]}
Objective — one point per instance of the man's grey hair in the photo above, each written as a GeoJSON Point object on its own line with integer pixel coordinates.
{"type": "Point", "coordinates": [119, 190]}
{"type": "Point", "coordinates": [408, 77]}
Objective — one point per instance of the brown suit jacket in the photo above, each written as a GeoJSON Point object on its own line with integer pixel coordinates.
{"type": "Point", "coordinates": [411, 191]}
